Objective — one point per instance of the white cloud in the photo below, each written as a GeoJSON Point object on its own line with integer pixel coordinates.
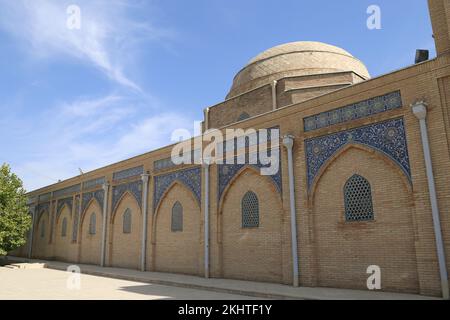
{"type": "Point", "coordinates": [89, 134]}
{"type": "Point", "coordinates": [105, 40]}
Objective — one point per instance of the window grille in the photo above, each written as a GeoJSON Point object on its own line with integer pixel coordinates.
{"type": "Point", "coordinates": [250, 210]}
{"type": "Point", "coordinates": [358, 199]}
{"type": "Point", "coordinates": [92, 224]}
{"type": "Point", "coordinates": [64, 228]}
{"type": "Point", "coordinates": [243, 116]}
{"type": "Point", "coordinates": [177, 217]}
{"type": "Point", "coordinates": [127, 221]}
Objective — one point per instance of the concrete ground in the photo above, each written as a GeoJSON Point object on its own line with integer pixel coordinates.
{"type": "Point", "coordinates": [160, 284]}
{"type": "Point", "coordinates": [48, 284]}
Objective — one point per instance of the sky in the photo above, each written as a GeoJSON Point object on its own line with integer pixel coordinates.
{"type": "Point", "coordinates": [136, 70]}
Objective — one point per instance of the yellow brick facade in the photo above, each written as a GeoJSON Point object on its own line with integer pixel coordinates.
{"type": "Point", "coordinates": [331, 251]}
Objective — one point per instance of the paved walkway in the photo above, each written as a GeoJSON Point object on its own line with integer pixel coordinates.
{"type": "Point", "coordinates": [247, 288]}
{"type": "Point", "coordinates": [49, 284]}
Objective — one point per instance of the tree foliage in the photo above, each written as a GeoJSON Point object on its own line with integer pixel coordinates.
{"type": "Point", "coordinates": [14, 218]}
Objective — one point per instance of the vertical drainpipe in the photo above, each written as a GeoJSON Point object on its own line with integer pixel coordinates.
{"type": "Point", "coordinates": [420, 111]}
{"type": "Point", "coordinates": [105, 206]}
{"type": "Point", "coordinates": [145, 178]}
{"type": "Point", "coordinates": [33, 222]}
{"type": "Point", "coordinates": [206, 119]}
{"type": "Point", "coordinates": [288, 142]}
{"type": "Point", "coordinates": [206, 163]}
{"type": "Point", "coordinates": [274, 94]}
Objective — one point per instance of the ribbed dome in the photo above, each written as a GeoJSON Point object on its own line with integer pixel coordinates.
{"type": "Point", "coordinates": [295, 59]}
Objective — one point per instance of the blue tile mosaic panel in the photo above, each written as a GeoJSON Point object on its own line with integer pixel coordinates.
{"type": "Point", "coordinates": [98, 182]}
{"type": "Point", "coordinates": [61, 203]}
{"type": "Point", "coordinates": [128, 173]}
{"type": "Point", "coordinates": [167, 163]}
{"type": "Point", "coordinates": [45, 197]}
{"type": "Point", "coordinates": [42, 208]}
{"type": "Point", "coordinates": [387, 137]}
{"type": "Point", "coordinates": [226, 172]}
{"type": "Point", "coordinates": [98, 195]}
{"type": "Point", "coordinates": [134, 187]}
{"type": "Point", "coordinates": [191, 178]}
{"type": "Point", "coordinates": [354, 111]}
{"type": "Point", "coordinates": [66, 191]}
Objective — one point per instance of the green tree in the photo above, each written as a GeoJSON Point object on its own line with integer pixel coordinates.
{"type": "Point", "coordinates": [14, 218]}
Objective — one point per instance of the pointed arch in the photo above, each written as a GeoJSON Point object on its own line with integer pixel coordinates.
{"type": "Point", "coordinates": [87, 206]}
{"type": "Point", "coordinates": [237, 176]}
{"type": "Point", "coordinates": [163, 197]}
{"type": "Point", "coordinates": [61, 210]}
{"type": "Point", "coordinates": [124, 249]}
{"type": "Point", "coordinates": [89, 244]}
{"type": "Point", "coordinates": [169, 189]}
{"type": "Point", "coordinates": [126, 194]}
{"type": "Point", "coordinates": [388, 160]}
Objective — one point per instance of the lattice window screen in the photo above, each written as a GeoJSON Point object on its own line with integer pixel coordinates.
{"type": "Point", "coordinates": [358, 199]}
{"type": "Point", "coordinates": [243, 116]}
{"type": "Point", "coordinates": [92, 224]}
{"type": "Point", "coordinates": [250, 210]}
{"type": "Point", "coordinates": [43, 229]}
{"type": "Point", "coordinates": [64, 228]}
{"type": "Point", "coordinates": [177, 217]}
{"type": "Point", "coordinates": [127, 221]}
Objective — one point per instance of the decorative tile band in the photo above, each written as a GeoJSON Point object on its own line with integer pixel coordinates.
{"type": "Point", "coordinates": [31, 200]}
{"type": "Point", "coordinates": [42, 208]}
{"type": "Point", "coordinates": [191, 178]}
{"type": "Point", "coordinates": [128, 173]}
{"type": "Point", "coordinates": [98, 195]}
{"type": "Point", "coordinates": [93, 183]}
{"type": "Point", "coordinates": [246, 141]}
{"type": "Point", "coordinates": [387, 137]}
{"type": "Point", "coordinates": [354, 111]}
{"type": "Point", "coordinates": [60, 205]}
{"type": "Point", "coordinates": [45, 197]}
{"type": "Point", "coordinates": [167, 163]}
{"type": "Point", "coordinates": [67, 191]}
{"type": "Point", "coordinates": [76, 218]}
{"type": "Point", "coordinates": [226, 172]}
{"type": "Point", "coordinates": [134, 187]}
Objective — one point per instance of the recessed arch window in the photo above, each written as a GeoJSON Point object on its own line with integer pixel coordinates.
{"type": "Point", "coordinates": [64, 227]}
{"type": "Point", "coordinates": [43, 229]}
{"type": "Point", "coordinates": [177, 217]}
{"type": "Point", "coordinates": [127, 221]}
{"type": "Point", "coordinates": [250, 210]}
{"type": "Point", "coordinates": [243, 116]}
{"type": "Point", "coordinates": [92, 223]}
{"type": "Point", "coordinates": [358, 199]}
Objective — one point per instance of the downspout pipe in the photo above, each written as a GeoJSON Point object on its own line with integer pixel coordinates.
{"type": "Point", "coordinates": [274, 95]}
{"type": "Point", "coordinates": [105, 211]}
{"type": "Point", "coordinates": [419, 109]}
{"type": "Point", "coordinates": [145, 179]}
{"type": "Point", "coordinates": [30, 242]}
{"type": "Point", "coordinates": [288, 142]}
{"type": "Point", "coordinates": [206, 163]}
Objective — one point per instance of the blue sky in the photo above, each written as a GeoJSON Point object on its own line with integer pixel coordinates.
{"type": "Point", "coordinates": [137, 70]}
